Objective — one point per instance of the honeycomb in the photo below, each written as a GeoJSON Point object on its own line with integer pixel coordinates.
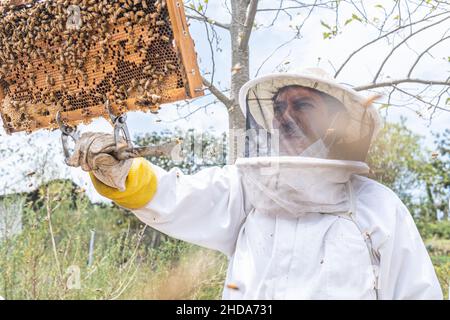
{"type": "Point", "coordinates": [73, 55]}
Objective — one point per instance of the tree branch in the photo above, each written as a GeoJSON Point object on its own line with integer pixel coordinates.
{"type": "Point", "coordinates": [423, 53]}
{"type": "Point", "coordinates": [300, 6]}
{"type": "Point", "coordinates": [381, 37]}
{"type": "Point", "coordinates": [417, 97]}
{"type": "Point", "coordinates": [402, 42]}
{"type": "Point", "coordinates": [399, 81]}
{"type": "Point", "coordinates": [253, 6]}
{"type": "Point", "coordinates": [219, 95]}
{"type": "Point", "coordinates": [204, 18]}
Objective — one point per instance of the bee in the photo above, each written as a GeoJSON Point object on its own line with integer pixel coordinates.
{"type": "Point", "coordinates": [142, 101]}
{"type": "Point", "coordinates": [171, 66]}
{"type": "Point", "coordinates": [113, 19]}
{"type": "Point", "coordinates": [154, 109]}
{"type": "Point", "coordinates": [157, 5]}
{"type": "Point", "coordinates": [232, 286]}
{"type": "Point", "coordinates": [155, 98]}
{"type": "Point", "coordinates": [50, 81]}
{"type": "Point", "coordinates": [85, 112]}
{"type": "Point", "coordinates": [147, 84]}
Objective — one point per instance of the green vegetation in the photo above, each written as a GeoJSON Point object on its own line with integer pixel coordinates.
{"type": "Point", "coordinates": [49, 258]}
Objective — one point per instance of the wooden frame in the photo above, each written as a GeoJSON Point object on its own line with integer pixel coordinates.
{"type": "Point", "coordinates": [187, 67]}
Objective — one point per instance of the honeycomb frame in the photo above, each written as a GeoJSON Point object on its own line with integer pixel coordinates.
{"type": "Point", "coordinates": [139, 72]}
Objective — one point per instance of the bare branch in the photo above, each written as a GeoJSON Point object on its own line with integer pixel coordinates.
{"type": "Point", "coordinates": [219, 95]}
{"type": "Point", "coordinates": [382, 37]}
{"type": "Point", "coordinates": [402, 42]}
{"type": "Point", "coordinates": [211, 48]}
{"type": "Point", "coordinates": [253, 6]}
{"type": "Point", "coordinates": [296, 36]}
{"type": "Point", "coordinates": [201, 17]}
{"type": "Point", "coordinates": [276, 15]}
{"type": "Point", "coordinates": [430, 105]}
{"type": "Point", "coordinates": [272, 54]}
{"type": "Point", "coordinates": [325, 5]}
{"type": "Point", "coordinates": [190, 113]}
{"type": "Point", "coordinates": [399, 81]}
{"type": "Point", "coordinates": [425, 51]}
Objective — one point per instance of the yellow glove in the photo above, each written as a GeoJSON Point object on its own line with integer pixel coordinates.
{"type": "Point", "coordinates": [140, 186]}
{"type": "Point", "coordinates": [130, 183]}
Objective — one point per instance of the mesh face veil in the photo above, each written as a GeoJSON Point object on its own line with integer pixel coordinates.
{"type": "Point", "coordinates": [299, 128]}
{"type": "Point", "coordinates": [297, 115]}
{"type": "Point", "coordinates": [303, 122]}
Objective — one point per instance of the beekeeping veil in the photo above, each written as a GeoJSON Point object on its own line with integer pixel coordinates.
{"type": "Point", "coordinates": [303, 130]}
{"type": "Point", "coordinates": [284, 107]}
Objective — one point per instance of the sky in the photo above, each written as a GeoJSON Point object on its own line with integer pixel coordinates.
{"type": "Point", "coordinates": [311, 50]}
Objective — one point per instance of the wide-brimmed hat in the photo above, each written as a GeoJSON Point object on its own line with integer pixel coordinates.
{"type": "Point", "coordinates": [257, 95]}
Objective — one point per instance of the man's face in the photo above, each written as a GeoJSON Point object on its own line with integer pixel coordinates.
{"type": "Point", "coordinates": [301, 118]}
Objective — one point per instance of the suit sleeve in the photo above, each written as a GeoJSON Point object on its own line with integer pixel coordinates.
{"type": "Point", "coordinates": [205, 208]}
{"type": "Point", "coordinates": [406, 271]}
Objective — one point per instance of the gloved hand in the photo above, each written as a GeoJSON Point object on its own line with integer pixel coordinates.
{"type": "Point", "coordinates": [93, 152]}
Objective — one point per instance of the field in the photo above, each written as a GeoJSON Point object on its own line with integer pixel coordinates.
{"type": "Point", "coordinates": [50, 257]}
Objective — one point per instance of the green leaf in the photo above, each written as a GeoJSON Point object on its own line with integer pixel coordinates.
{"type": "Point", "coordinates": [325, 25]}
{"type": "Point", "coordinates": [348, 21]}
{"type": "Point", "coordinates": [447, 101]}
{"type": "Point", "coordinates": [356, 17]}
{"type": "Point", "coordinates": [326, 35]}
{"type": "Point", "coordinates": [200, 7]}
{"type": "Point", "coordinates": [384, 106]}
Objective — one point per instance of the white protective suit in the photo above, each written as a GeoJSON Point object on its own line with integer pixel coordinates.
{"type": "Point", "coordinates": [310, 255]}
{"type": "Point", "coordinates": [299, 227]}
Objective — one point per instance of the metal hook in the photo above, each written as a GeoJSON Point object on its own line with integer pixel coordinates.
{"type": "Point", "coordinates": [66, 131]}
{"type": "Point", "coordinates": [120, 125]}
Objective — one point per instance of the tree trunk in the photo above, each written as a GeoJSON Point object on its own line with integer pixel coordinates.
{"type": "Point", "coordinates": [240, 75]}
{"type": "Point", "coordinates": [434, 213]}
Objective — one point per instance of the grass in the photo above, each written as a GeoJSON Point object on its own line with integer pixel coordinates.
{"type": "Point", "coordinates": [439, 250]}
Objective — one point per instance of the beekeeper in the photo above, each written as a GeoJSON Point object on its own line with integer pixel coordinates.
{"type": "Point", "coordinates": [297, 216]}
